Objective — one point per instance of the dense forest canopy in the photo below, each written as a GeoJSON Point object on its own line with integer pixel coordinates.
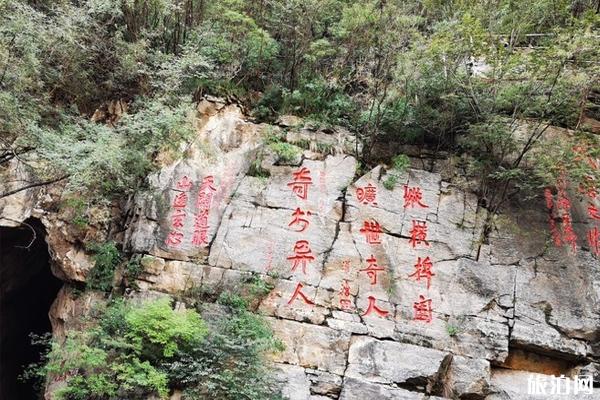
{"type": "Point", "coordinates": [459, 75]}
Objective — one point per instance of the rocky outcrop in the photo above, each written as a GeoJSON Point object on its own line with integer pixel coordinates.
{"type": "Point", "coordinates": [504, 306]}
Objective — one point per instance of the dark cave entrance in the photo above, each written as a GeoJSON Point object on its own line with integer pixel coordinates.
{"type": "Point", "coordinates": [27, 290]}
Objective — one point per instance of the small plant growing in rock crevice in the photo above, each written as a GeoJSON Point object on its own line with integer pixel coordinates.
{"type": "Point", "coordinates": [452, 330]}
{"type": "Point", "coordinates": [285, 152]}
{"type": "Point", "coordinates": [390, 182]}
{"type": "Point", "coordinates": [132, 270]}
{"type": "Point", "coordinates": [77, 208]}
{"type": "Point", "coordinates": [399, 165]}
{"type": "Point", "coordinates": [256, 170]}
{"type": "Point", "coordinates": [107, 257]}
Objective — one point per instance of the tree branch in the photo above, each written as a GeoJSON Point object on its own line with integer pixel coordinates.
{"type": "Point", "coordinates": [36, 184]}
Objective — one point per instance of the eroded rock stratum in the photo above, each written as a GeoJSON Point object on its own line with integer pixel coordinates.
{"type": "Point", "coordinates": [503, 307]}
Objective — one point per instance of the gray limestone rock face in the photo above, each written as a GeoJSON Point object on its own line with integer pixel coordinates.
{"type": "Point", "coordinates": [180, 214]}
{"type": "Point", "coordinates": [356, 389]}
{"type": "Point", "coordinates": [311, 346]}
{"type": "Point", "coordinates": [358, 326]}
{"type": "Point", "coordinates": [388, 362]}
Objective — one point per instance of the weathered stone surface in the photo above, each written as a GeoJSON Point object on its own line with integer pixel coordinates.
{"type": "Point", "coordinates": [221, 150]}
{"type": "Point", "coordinates": [69, 309]}
{"type": "Point", "coordinates": [556, 305]}
{"type": "Point", "coordinates": [515, 385]}
{"type": "Point", "coordinates": [356, 389]}
{"type": "Point", "coordinates": [293, 381]}
{"type": "Point", "coordinates": [170, 276]}
{"type": "Point", "coordinates": [468, 378]}
{"type": "Point", "coordinates": [324, 383]}
{"type": "Point", "coordinates": [389, 362]}
{"type": "Point", "coordinates": [18, 207]}
{"type": "Point", "coordinates": [311, 346]}
{"type": "Point", "coordinates": [492, 296]}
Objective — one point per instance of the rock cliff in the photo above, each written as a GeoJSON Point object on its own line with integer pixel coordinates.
{"type": "Point", "coordinates": [385, 284]}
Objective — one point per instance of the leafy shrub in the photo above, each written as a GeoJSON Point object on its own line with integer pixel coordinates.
{"type": "Point", "coordinates": [133, 268]}
{"type": "Point", "coordinates": [107, 257]}
{"type": "Point", "coordinates": [144, 350]}
{"type": "Point", "coordinates": [121, 356]}
{"type": "Point", "coordinates": [155, 329]}
{"type": "Point", "coordinates": [401, 162]}
{"type": "Point", "coordinates": [256, 168]}
{"type": "Point", "coordinates": [230, 364]}
{"type": "Point", "coordinates": [285, 152]}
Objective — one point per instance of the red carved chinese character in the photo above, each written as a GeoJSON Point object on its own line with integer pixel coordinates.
{"type": "Point", "coordinates": [203, 200]}
{"type": "Point", "coordinates": [367, 194]}
{"type": "Point", "coordinates": [423, 311]}
{"type": "Point", "coordinates": [298, 292]}
{"type": "Point", "coordinates": [418, 233]}
{"type": "Point", "coordinates": [345, 290]}
{"type": "Point", "coordinates": [594, 212]}
{"type": "Point", "coordinates": [423, 270]}
{"type": "Point", "coordinates": [201, 221]}
{"type": "Point", "coordinates": [413, 196]}
{"type": "Point", "coordinates": [373, 307]}
{"type": "Point", "coordinates": [372, 269]}
{"type": "Point", "coordinates": [302, 255]}
{"type": "Point", "coordinates": [593, 237]}
{"type": "Point", "coordinates": [564, 203]}
{"type": "Point", "coordinates": [345, 302]}
{"type": "Point", "coordinates": [184, 183]}
{"type": "Point", "coordinates": [569, 236]}
{"type": "Point", "coordinates": [298, 214]}
{"type": "Point", "coordinates": [346, 265]}
{"type": "Point", "coordinates": [180, 200]}
{"type": "Point", "coordinates": [549, 198]}
{"type": "Point", "coordinates": [372, 230]}
{"type": "Point", "coordinates": [178, 218]}
{"type": "Point", "coordinates": [174, 238]}
{"type": "Point", "coordinates": [300, 182]}
{"type": "Point", "coordinates": [555, 232]}
{"type": "Point", "coordinates": [208, 183]}
{"type": "Point", "coordinates": [200, 237]}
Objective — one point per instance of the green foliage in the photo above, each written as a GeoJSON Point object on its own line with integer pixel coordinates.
{"type": "Point", "coordinates": [78, 210]}
{"type": "Point", "coordinates": [131, 351]}
{"type": "Point", "coordinates": [257, 170]}
{"type": "Point", "coordinates": [133, 268]}
{"type": "Point", "coordinates": [107, 257]}
{"type": "Point", "coordinates": [442, 74]}
{"type": "Point", "coordinates": [230, 358]}
{"type": "Point", "coordinates": [156, 331]}
{"type": "Point", "coordinates": [390, 181]}
{"type": "Point", "coordinates": [233, 301]}
{"type": "Point", "coordinates": [399, 165]}
{"type": "Point", "coordinates": [401, 162]}
{"type": "Point", "coordinates": [286, 152]}
{"type": "Point", "coordinates": [122, 356]}
{"type": "Point", "coordinates": [259, 288]}
{"type": "Point", "coordinates": [452, 330]}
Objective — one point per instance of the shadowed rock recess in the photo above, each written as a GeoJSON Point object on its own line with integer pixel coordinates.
{"type": "Point", "coordinates": [505, 308]}
{"type": "Point", "coordinates": [27, 289]}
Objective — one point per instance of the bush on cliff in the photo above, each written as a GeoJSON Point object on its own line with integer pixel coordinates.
{"type": "Point", "coordinates": [135, 351]}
